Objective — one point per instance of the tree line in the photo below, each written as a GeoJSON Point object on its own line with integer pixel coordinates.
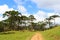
{"type": "Point", "coordinates": [17, 21]}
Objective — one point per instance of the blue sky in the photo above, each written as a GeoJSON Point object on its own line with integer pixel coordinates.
{"type": "Point", "coordinates": [39, 8]}
{"type": "Point", "coordinates": [13, 4]}
{"type": "Point", "coordinates": [10, 3]}
{"type": "Point", "coordinates": [32, 9]}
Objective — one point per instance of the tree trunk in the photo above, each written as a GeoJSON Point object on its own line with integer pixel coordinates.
{"type": "Point", "coordinates": [54, 22]}
{"type": "Point", "coordinates": [49, 22]}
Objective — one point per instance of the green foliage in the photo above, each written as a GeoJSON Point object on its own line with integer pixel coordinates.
{"type": "Point", "coordinates": [13, 19]}
{"type": "Point", "coordinates": [17, 21]}
{"type": "Point", "coordinates": [31, 18]}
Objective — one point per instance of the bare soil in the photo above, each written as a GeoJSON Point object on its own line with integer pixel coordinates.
{"type": "Point", "coordinates": [37, 36]}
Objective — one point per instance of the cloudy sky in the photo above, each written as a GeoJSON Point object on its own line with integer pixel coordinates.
{"type": "Point", "coordinates": [39, 8]}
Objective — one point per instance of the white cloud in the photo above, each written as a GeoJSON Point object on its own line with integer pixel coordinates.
{"type": "Point", "coordinates": [1, 18]}
{"type": "Point", "coordinates": [40, 15]}
{"type": "Point", "coordinates": [50, 14]}
{"type": "Point", "coordinates": [20, 2]}
{"type": "Point", "coordinates": [20, 6]}
{"type": "Point", "coordinates": [57, 20]}
{"type": "Point", "coordinates": [23, 10]}
{"type": "Point", "coordinates": [50, 4]}
{"type": "Point", "coordinates": [4, 8]}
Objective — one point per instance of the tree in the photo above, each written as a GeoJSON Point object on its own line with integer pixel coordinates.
{"type": "Point", "coordinates": [31, 18]}
{"type": "Point", "coordinates": [54, 16]}
{"type": "Point", "coordinates": [3, 26]}
{"type": "Point", "coordinates": [24, 20]}
{"type": "Point", "coordinates": [48, 20]}
{"type": "Point", "coordinates": [13, 18]}
{"type": "Point", "coordinates": [42, 25]}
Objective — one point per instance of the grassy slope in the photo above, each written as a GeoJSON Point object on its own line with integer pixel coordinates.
{"type": "Point", "coordinates": [52, 34]}
{"type": "Point", "coordinates": [17, 35]}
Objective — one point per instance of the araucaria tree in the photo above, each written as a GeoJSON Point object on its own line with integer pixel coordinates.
{"type": "Point", "coordinates": [54, 16]}
{"type": "Point", "coordinates": [48, 20]}
{"type": "Point", "coordinates": [31, 18]}
{"type": "Point", "coordinates": [13, 19]}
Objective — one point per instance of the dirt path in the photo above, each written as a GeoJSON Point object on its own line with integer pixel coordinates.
{"type": "Point", "coordinates": [37, 36]}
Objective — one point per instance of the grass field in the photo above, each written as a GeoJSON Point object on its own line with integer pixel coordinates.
{"type": "Point", "coordinates": [52, 34]}
{"type": "Point", "coordinates": [16, 35]}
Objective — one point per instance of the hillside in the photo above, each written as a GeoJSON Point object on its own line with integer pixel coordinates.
{"type": "Point", "coordinates": [52, 34]}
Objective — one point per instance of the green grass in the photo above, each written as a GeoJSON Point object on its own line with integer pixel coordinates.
{"type": "Point", "coordinates": [52, 34]}
{"type": "Point", "coordinates": [16, 35]}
